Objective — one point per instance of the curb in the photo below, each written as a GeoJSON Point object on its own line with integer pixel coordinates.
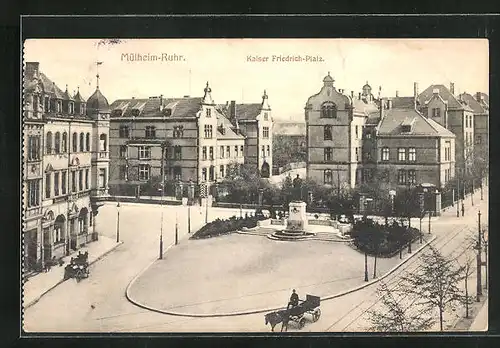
{"type": "Point", "coordinates": [34, 301]}
{"type": "Point", "coordinates": [263, 310]}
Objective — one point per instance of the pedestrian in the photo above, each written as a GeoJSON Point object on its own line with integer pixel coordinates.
{"type": "Point", "coordinates": [463, 209]}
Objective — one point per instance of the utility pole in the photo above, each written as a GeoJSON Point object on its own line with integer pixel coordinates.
{"type": "Point", "coordinates": [458, 196]}
{"type": "Point", "coordinates": [118, 223]}
{"type": "Point", "coordinates": [176, 229]}
{"type": "Point", "coordinates": [366, 267]}
{"type": "Point", "coordinates": [161, 226]}
{"type": "Point", "coordinates": [479, 288]}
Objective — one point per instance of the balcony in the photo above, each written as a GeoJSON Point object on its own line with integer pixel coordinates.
{"type": "Point", "coordinates": [103, 155]}
{"type": "Point", "coordinates": [33, 212]}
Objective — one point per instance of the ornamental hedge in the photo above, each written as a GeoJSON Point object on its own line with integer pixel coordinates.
{"type": "Point", "coordinates": [219, 227]}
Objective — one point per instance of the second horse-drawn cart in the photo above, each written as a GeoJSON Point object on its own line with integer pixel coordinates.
{"type": "Point", "coordinates": [309, 306]}
{"type": "Point", "coordinates": [78, 267]}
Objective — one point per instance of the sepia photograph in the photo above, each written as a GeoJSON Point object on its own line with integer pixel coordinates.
{"type": "Point", "coordinates": [254, 185]}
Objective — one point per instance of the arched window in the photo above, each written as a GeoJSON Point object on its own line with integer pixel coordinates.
{"type": "Point", "coordinates": [57, 142]}
{"type": "Point", "coordinates": [48, 143]}
{"type": "Point", "coordinates": [87, 142]}
{"type": "Point", "coordinates": [75, 142]}
{"type": "Point", "coordinates": [82, 142]}
{"type": "Point", "coordinates": [329, 110]}
{"type": "Point", "coordinates": [103, 142]}
{"type": "Point", "coordinates": [64, 143]}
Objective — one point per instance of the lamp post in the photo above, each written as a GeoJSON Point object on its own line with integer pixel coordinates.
{"type": "Point", "coordinates": [161, 224]}
{"type": "Point", "coordinates": [479, 288]}
{"type": "Point", "coordinates": [458, 196]}
{"type": "Point", "coordinates": [429, 223]}
{"type": "Point", "coordinates": [118, 222]}
{"type": "Point", "coordinates": [366, 267]}
{"type": "Point", "coordinates": [176, 240]}
{"type": "Point", "coordinates": [190, 202]}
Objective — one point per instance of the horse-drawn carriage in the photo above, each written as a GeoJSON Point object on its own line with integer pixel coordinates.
{"type": "Point", "coordinates": [310, 306]}
{"type": "Point", "coordinates": [78, 267]}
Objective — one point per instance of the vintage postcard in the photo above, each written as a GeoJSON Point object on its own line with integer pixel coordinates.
{"type": "Point", "coordinates": [255, 185]}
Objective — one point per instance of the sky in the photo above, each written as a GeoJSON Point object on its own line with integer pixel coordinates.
{"type": "Point", "coordinates": [394, 65]}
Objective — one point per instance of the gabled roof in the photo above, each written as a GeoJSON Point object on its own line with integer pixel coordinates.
{"type": "Point", "coordinates": [180, 107]}
{"type": "Point", "coordinates": [365, 107]}
{"type": "Point", "coordinates": [477, 107]}
{"type": "Point", "coordinates": [243, 111]}
{"type": "Point", "coordinates": [50, 87]}
{"type": "Point", "coordinates": [403, 102]}
{"type": "Point", "coordinates": [228, 127]}
{"type": "Point", "coordinates": [78, 97]}
{"type": "Point", "coordinates": [444, 92]}
{"type": "Point", "coordinates": [421, 126]}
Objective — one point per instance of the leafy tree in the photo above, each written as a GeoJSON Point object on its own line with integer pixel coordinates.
{"type": "Point", "coordinates": [398, 315]}
{"type": "Point", "coordinates": [436, 283]}
{"type": "Point", "coordinates": [288, 149]}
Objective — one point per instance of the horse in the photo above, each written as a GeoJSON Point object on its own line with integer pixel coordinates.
{"type": "Point", "coordinates": [277, 317]}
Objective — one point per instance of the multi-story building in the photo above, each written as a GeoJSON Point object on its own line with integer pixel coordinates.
{"type": "Point", "coordinates": [353, 140]}
{"type": "Point", "coordinates": [195, 139]}
{"type": "Point", "coordinates": [479, 103]}
{"type": "Point", "coordinates": [65, 166]}
{"type": "Point", "coordinates": [453, 113]}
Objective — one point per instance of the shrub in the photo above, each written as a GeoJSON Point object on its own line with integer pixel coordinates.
{"type": "Point", "coordinates": [218, 227]}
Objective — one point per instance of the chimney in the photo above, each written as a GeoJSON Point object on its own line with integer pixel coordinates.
{"type": "Point", "coordinates": [479, 97]}
{"type": "Point", "coordinates": [359, 95]}
{"type": "Point", "coordinates": [435, 91]}
{"type": "Point", "coordinates": [452, 88]}
{"type": "Point", "coordinates": [381, 109]}
{"type": "Point", "coordinates": [389, 104]}
{"type": "Point", "coordinates": [415, 90]}
{"type": "Point", "coordinates": [397, 94]}
{"type": "Point", "coordinates": [161, 102]}
{"type": "Point", "coordinates": [352, 94]}
{"type": "Point", "coordinates": [232, 110]}
{"type": "Point", "coordinates": [32, 69]}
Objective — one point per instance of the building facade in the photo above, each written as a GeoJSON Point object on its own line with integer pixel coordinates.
{"type": "Point", "coordinates": [188, 139]}
{"type": "Point", "coordinates": [355, 140]}
{"type": "Point", "coordinates": [65, 167]}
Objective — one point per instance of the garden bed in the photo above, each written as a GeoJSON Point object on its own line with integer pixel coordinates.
{"type": "Point", "coordinates": [220, 227]}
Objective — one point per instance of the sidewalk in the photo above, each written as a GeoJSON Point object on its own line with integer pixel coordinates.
{"type": "Point", "coordinates": [40, 284]}
{"type": "Point", "coordinates": [480, 322]}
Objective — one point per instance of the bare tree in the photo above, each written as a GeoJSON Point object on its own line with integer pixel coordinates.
{"type": "Point", "coordinates": [398, 312]}
{"type": "Point", "coordinates": [436, 283]}
{"type": "Point", "coordinates": [468, 269]}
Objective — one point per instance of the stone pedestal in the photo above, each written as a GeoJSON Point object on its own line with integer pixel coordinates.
{"type": "Point", "coordinates": [297, 218]}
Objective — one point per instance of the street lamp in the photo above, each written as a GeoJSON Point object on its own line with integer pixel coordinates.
{"type": "Point", "coordinates": [118, 222]}
{"type": "Point", "coordinates": [190, 201]}
{"type": "Point", "coordinates": [176, 228]}
{"type": "Point", "coordinates": [429, 222]}
{"type": "Point", "coordinates": [161, 223]}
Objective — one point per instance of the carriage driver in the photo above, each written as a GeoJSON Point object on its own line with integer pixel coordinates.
{"type": "Point", "coordinates": [294, 300]}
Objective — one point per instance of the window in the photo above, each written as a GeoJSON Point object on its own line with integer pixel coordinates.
{"type": "Point", "coordinates": [412, 154]}
{"type": "Point", "coordinates": [368, 134]}
{"type": "Point", "coordinates": [74, 142]}
{"type": "Point", "coordinates": [265, 132]}
{"type": "Point", "coordinates": [87, 142]}
{"type": "Point", "coordinates": [177, 152]}
{"type": "Point", "coordinates": [80, 180]}
{"type": "Point", "coordinates": [47, 185]}
{"type": "Point", "coordinates": [63, 183]}
{"type": "Point", "coordinates": [33, 148]}
{"type": "Point", "coordinates": [103, 142]}
{"type": "Point", "coordinates": [328, 152]}
{"type": "Point", "coordinates": [135, 112]}
{"type": "Point", "coordinates": [266, 116]}
{"type": "Point", "coordinates": [268, 149]}
{"type": "Point", "coordinates": [385, 154]}
{"type": "Point", "coordinates": [56, 184]}
{"type": "Point", "coordinates": [123, 151]}
{"type": "Point", "coordinates": [412, 177]}
{"type": "Point", "coordinates": [71, 108]}
{"type": "Point", "coordinates": [208, 131]}
{"type": "Point", "coordinates": [87, 184]}
{"type": "Point", "coordinates": [211, 152]}
{"type": "Point", "coordinates": [221, 152]}
{"type": "Point", "coordinates": [64, 143]}
{"type": "Point", "coordinates": [150, 132]}
{"type": "Point", "coordinates": [177, 173]}
{"type": "Point", "coordinates": [263, 151]}
{"type": "Point", "coordinates": [436, 112]}
{"type": "Point", "coordinates": [211, 173]}
{"type": "Point", "coordinates": [73, 181]}
{"type": "Point", "coordinates": [204, 153]}
{"type": "Point", "coordinates": [329, 110]}
{"type": "Point", "coordinates": [221, 171]}
{"type": "Point", "coordinates": [57, 142]}
{"type": "Point", "coordinates": [357, 154]}
{"type": "Point", "coordinates": [204, 174]}
{"type": "Point", "coordinates": [82, 109]}
{"type": "Point", "coordinates": [33, 193]}
{"type": "Point", "coordinates": [59, 106]}
{"type": "Point", "coordinates": [236, 151]}
{"type": "Point", "coordinates": [241, 150]}
{"type": "Point", "coordinates": [102, 178]}
{"type": "Point", "coordinates": [406, 128]}
{"type": "Point", "coordinates": [402, 177]}
{"type": "Point", "coordinates": [228, 150]}
{"type": "Point", "coordinates": [144, 172]}
{"type": "Point", "coordinates": [178, 131]}
{"type": "Point", "coordinates": [327, 177]}
{"type": "Point", "coordinates": [401, 154]}
{"type": "Point", "coordinates": [82, 145]}
{"type": "Point", "coordinates": [357, 130]}
{"type": "Point", "coordinates": [327, 133]}
{"type": "Point", "coordinates": [48, 143]}
{"type": "Point", "coordinates": [46, 105]}
{"type": "Point", "coordinates": [144, 152]}
{"type": "Point", "coordinates": [58, 234]}
{"type": "Point", "coordinates": [478, 139]}
{"type": "Point", "coordinates": [123, 172]}
{"type": "Point", "coordinates": [209, 112]}
{"type": "Point", "coordinates": [124, 131]}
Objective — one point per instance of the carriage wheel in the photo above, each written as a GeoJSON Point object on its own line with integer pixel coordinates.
{"type": "Point", "coordinates": [302, 323]}
{"type": "Point", "coordinates": [316, 314]}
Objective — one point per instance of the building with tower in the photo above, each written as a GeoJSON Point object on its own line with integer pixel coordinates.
{"type": "Point", "coordinates": [189, 139]}
{"type": "Point", "coordinates": [65, 166]}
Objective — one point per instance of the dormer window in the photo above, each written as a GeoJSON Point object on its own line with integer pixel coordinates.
{"type": "Point", "coordinates": [82, 109]}
{"type": "Point", "coordinates": [329, 110]}
{"type": "Point", "coordinates": [436, 112]}
{"type": "Point", "coordinates": [178, 131]}
{"type": "Point", "coordinates": [116, 113]}
{"type": "Point", "coordinates": [135, 112]}
{"type": "Point", "coordinates": [406, 128]}
{"type": "Point", "coordinates": [46, 105]}
{"type": "Point", "coordinates": [407, 125]}
{"type": "Point", "coordinates": [167, 112]}
{"type": "Point", "coordinates": [71, 108]}
{"type": "Point", "coordinates": [59, 106]}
